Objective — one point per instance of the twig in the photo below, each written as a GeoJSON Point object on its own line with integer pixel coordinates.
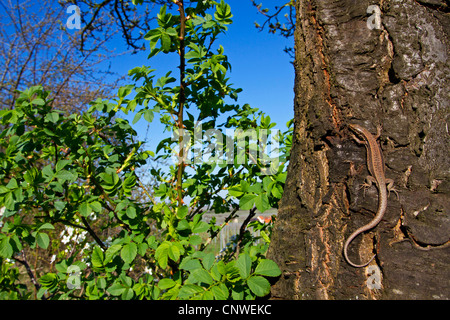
{"type": "Point", "coordinates": [182, 97]}
{"type": "Point", "coordinates": [244, 225]}
{"type": "Point", "coordinates": [24, 262]}
{"type": "Point", "coordinates": [93, 234]}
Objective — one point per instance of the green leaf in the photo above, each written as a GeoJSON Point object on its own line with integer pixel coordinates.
{"type": "Point", "coordinates": [265, 236]}
{"type": "Point", "coordinates": [172, 32]}
{"type": "Point", "coordinates": [162, 254]}
{"type": "Point", "coordinates": [255, 188]}
{"type": "Point", "coordinates": [183, 225]}
{"type": "Point", "coordinates": [110, 177]}
{"type": "Point", "coordinates": [30, 175]}
{"type": "Point", "coordinates": [84, 209]}
{"type": "Point", "coordinates": [262, 202]}
{"type": "Point", "coordinates": [127, 294]}
{"type": "Point", "coordinates": [96, 206]}
{"type": "Point", "coordinates": [42, 240]}
{"type": "Point", "coordinates": [129, 183]}
{"type": "Point", "coordinates": [137, 117]}
{"type": "Point", "coordinates": [189, 290]}
{"type": "Point", "coordinates": [116, 289]}
{"type": "Point", "coordinates": [215, 273]}
{"type": "Point", "coordinates": [142, 248]}
{"type": "Point", "coordinates": [244, 264]}
{"type": "Point", "coordinates": [47, 171]}
{"type": "Point", "coordinates": [165, 42]}
{"type": "Point", "coordinates": [258, 285]}
{"type": "Point", "coordinates": [220, 292]}
{"type": "Point", "coordinates": [221, 267]}
{"type": "Point", "coordinates": [174, 253]}
{"type": "Point", "coordinates": [124, 91]}
{"type": "Point", "coordinates": [190, 264]}
{"type": "Point", "coordinates": [131, 212]}
{"type": "Point", "coordinates": [97, 257]}
{"type": "Point", "coordinates": [268, 268]}
{"type": "Point", "coordinates": [60, 205]}
{"type": "Point", "coordinates": [200, 275]}
{"type": "Point", "coordinates": [6, 249]}
{"type": "Point", "coordinates": [61, 164]}
{"type": "Point", "coordinates": [195, 240]}
{"type": "Point", "coordinates": [49, 281]}
{"type": "Point", "coordinates": [166, 283]}
{"type": "Point", "coordinates": [208, 260]}
{"type": "Point", "coordinates": [15, 243]}
{"type": "Point", "coordinates": [161, 191]}
{"type": "Point", "coordinates": [277, 191]}
{"type": "Point", "coordinates": [235, 191]}
{"type": "Point", "coordinates": [129, 252]}
{"type": "Point", "coordinates": [10, 202]}
{"type": "Point", "coordinates": [111, 251]}
{"type": "Point", "coordinates": [182, 212]}
{"type": "Point", "coordinates": [200, 227]}
{"type": "Point", "coordinates": [38, 102]}
{"type": "Point", "coordinates": [148, 115]}
{"type": "Point", "coordinates": [51, 117]}
{"type": "Point", "coordinates": [237, 292]}
{"type": "Point", "coordinates": [247, 201]}
{"type": "Point", "coordinates": [46, 226]}
{"type": "Point", "coordinates": [12, 184]}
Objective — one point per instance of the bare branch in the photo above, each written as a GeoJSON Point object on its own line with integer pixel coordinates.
{"type": "Point", "coordinates": [287, 28]}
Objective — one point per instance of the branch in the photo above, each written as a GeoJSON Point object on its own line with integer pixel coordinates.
{"type": "Point", "coordinates": [89, 25]}
{"type": "Point", "coordinates": [93, 234]}
{"type": "Point", "coordinates": [286, 32]}
{"type": "Point", "coordinates": [182, 98]}
{"type": "Point", "coordinates": [244, 225]}
{"type": "Point", "coordinates": [24, 262]}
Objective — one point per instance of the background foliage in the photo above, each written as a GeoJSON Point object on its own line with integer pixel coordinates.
{"type": "Point", "coordinates": [72, 194]}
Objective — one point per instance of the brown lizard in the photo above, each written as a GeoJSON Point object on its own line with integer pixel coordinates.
{"type": "Point", "coordinates": [375, 165]}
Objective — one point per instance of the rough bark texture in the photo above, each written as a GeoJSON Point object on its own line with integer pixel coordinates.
{"type": "Point", "coordinates": [398, 77]}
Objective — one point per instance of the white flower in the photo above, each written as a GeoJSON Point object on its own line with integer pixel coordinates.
{"type": "Point", "coordinates": [65, 239]}
{"type": "Point", "coordinates": [2, 211]}
{"type": "Point", "coordinates": [70, 231]}
{"type": "Point", "coordinates": [148, 270]}
{"type": "Point", "coordinates": [52, 259]}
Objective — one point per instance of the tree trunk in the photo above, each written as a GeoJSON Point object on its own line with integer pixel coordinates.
{"type": "Point", "coordinates": [352, 68]}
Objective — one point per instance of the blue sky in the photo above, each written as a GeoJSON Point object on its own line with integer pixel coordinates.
{"type": "Point", "coordinates": [259, 66]}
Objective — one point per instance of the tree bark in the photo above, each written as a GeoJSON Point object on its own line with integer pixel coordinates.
{"type": "Point", "coordinates": [395, 75]}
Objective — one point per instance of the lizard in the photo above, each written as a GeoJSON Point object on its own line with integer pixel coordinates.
{"type": "Point", "coordinates": [375, 165]}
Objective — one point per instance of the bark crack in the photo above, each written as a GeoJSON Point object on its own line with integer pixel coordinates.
{"type": "Point", "coordinates": [442, 7]}
{"type": "Point", "coordinates": [403, 233]}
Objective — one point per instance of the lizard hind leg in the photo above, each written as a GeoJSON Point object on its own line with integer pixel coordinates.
{"type": "Point", "coordinates": [390, 187]}
{"type": "Point", "coordinates": [368, 183]}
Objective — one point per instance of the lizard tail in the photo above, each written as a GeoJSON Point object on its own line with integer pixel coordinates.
{"type": "Point", "coordinates": [346, 249]}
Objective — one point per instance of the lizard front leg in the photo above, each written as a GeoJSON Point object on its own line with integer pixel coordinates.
{"type": "Point", "coordinates": [368, 183]}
